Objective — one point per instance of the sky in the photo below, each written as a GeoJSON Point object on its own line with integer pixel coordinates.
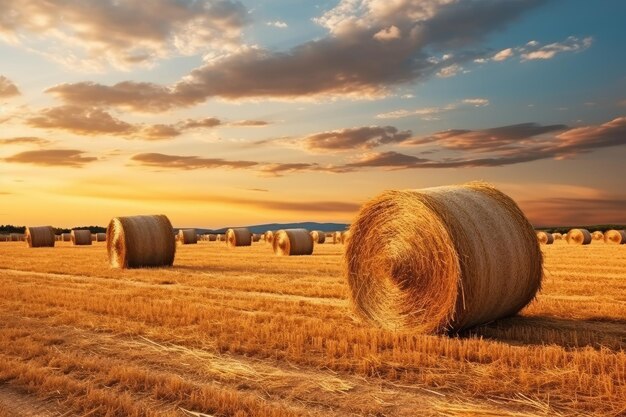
{"type": "Point", "coordinates": [225, 113]}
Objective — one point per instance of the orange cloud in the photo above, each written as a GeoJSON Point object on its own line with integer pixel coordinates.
{"type": "Point", "coordinates": [188, 162]}
{"type": "Point", "coordinates": [8, 88]}
{"type": "Point", "coordinates": [53, 157]}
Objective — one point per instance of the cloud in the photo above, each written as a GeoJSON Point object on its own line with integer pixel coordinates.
{"type": "Point", "coordinates": [503, 55]}
{"type": "Point", "coordinates": [202, 123]}
{"type": "Point", "coordinates": [160, 160]}
{"type": "Point", "coordinates": [389, 159]}
{"type": "Point", "coordinates": [449, 71]}
{"type": "Point", "coordinates": [388, 34]}
{"type": "Point", "coordinates": [8, 88]}
{"type": "Point", "coordinates": [278, 24]}
{"type": "Point", "coordinates": [432, 113]}
{"type": "Point", "coordinates": [558, 211]}
{"type": "Point", "coordinates": [80, 120]}
{"type": "Point", "coordinates": [53, 157]}
{"type": "Point", "coordinates": [354, 138]}
{"type": "Point", "coordinates": [250, 123]}
{"type": "Point", "coordinates": [349, 62]}
{"type": "Point", "coordinates": [95, 33]}
{"type": "Point", "coordinates": [24, 140]}
{"type": "Point", "coordinates": [533, 50]}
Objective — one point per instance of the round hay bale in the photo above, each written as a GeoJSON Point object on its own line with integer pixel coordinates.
{"type": "Point", "coordinates": [94, 237]}
{"type": "Point", "coordinates": [545, 238]}
{"type": "Point", "coordinates": [345, 236]}
{"type": "Point", "coordinates": [557, 236]}
{"type": "Point", "coordinates": [269, 237]}
{"type": "Point", "coordinates": [578, 237]}
{"type": "Point", "coordinates": [290, 242]}
{"type": "Point", "coordinates": [40, 237]}
{"type": "Point", "coordinates": [318, 237]}
{"type": "Point", "coordinates": [417, 259]}
{"type": "Point", "coordinates": [219, 238]}
{"type": "Point", "coordinates": [615, 237]}
{"type": "Point", "coordinates": [256, 237]}
{"type": "Point", "coordinates": [597, 236]}
{"type": "Point", "coordinates": [140, 241]}
{"type": "Point", "coordinates": [67, 237]}
{"type": "Point", "coordinates": [240, 236]}
{"type": "Point", "coordinates": [336, 237]}
{"type": "Point", "coordinates": [187, 236]}
{"type": "Point", "coordinates": [80, 237]}
{"type": "Point", "coordinates": [101, 237]}
{"type": "Point", "coordinates": [211, 237]}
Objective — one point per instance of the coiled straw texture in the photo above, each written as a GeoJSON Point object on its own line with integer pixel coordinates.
{"type": "Point", "coordinates": [441, 259]}
{"type": "Point", "coordinates": [290, 242]}
{"type": "Point", "coordinates": [141, 241]}
{"type": "Point", "coordinates": [39, 237]}
{"type": "Point", "coordinates": [615, 237]}
{"type": "Point", "coordinates": [578, 237]}
{"type": "Point", "coordinates": [238, 237]}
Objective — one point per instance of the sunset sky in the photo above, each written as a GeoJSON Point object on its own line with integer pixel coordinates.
{"type": "Point", "coordinates": [221, 113]}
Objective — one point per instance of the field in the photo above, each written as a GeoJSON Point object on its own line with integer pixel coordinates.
{"type": "Point", "coordinates": [241, 332]}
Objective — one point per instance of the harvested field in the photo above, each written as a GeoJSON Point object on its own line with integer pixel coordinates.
{"type": "Point", "coordinates": [245, 333]}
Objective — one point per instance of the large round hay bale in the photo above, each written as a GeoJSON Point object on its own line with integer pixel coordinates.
{"type": "Point", "coordinates": [39, 237]}
{"type": "Point", "coordinates": [239, 236]}
{"type": "Point", "coordinates": [318, 236]}
{"type": "Point", "coordinates": [66, 237]}
{"type": "Point", "coordinates": [545, 238]}
{"type": "Point", "coordinates": [290, 242]}
{"type": "Point", "coordinates": [615, 237]}
{"type": "Point", "coordinates": [80, 237]}
{"type": "Point", "coordinates": [187, 236]}
{"type": "Point", "coordinates": [101, 237]}
{"type": "Point", "coordinates": [269, 237]}
{"type": "Point", "coordinates": [597, 236]}
{"type": "Point", "coordinates": [578, 237]}
{"type": "Point", "coordinates": [140, 241]}
{"type": "Point", "coordinates": [441, 259]}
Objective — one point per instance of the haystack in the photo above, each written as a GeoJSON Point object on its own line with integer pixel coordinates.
{"type": "Point", "coordinates": [615, 237]}
{"type": "Point", "coordinates": [578, 237]}
{"type": "Point", "coordinates": [269, 237]}
{"type": "Point", "coordinates": [187, 236]}
{"type": "Point", "coordinates": [240, 236]}
{"type": "Point", "coordinates": [318, 236]}
{"type": "Point", "coordinates": [290, 242]}
{"type": "Point", "coordinates": [140, 241]}
{"type": "Point", "coordinates": [545, 238]}
{"type": "Point", "coordinates": [336, 237]}
{"type": "Point", "coordinates": [101, 237]}
{"type": "Point", "coordinates": [441, 259]}
{"type": "Point", "coordinates": [256, 237]}
{"type": "Point", "coordinates": [597, 236]}
{"type": "Point", "coordinates": [80, 237]}
{"type": "Point", "coordinates": [211, 237]}
{"type": "Point", "coordinates": [66, 237]}
{"type": "Point", "coordinates": [557, 236]}
{"type": "Point", "coordinates": [39, 237]}
{"type": "Point", "coordinates": [345, 236]}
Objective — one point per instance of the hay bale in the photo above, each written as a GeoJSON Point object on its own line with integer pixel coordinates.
{"type": "Point", "coordinates": [336, 237]}
{"type": "Point", "coordinates": [318, 236]}
{"type": "Point", "coordinates": [615, 237]}
{"type": "Point", "coordinates": [140, 241]}
{"type": "Point", "coordinates": [269, 237]}
{"type": "Point", "coordinates": [66, 237]}
{"type": "Point", "coordinates": [16, 237]}
{"type": "Point", "coordinates": [597, 236]}
{"type": "Point", "coordinates": [40, 237]}
{"type": "Point", "coordinates": [578, 237]}
{"type": "Point", "coordinates": [211, 237]}
{"type": "Point", "coordinates": [417, 259]}
{"type": "Point", "coordinates": [101, 237]}
{"type": "Point", "coordinates": [239, 236]}
{"type": "Point", "coordinates": [557, 236]}
{"type": "Point", "coordinates": [187, 237]}
{"type": "Point", "coordinates": [80, 237]}
{"type": "Point", "coordinates": [94, 237]}
{"type": "Point", "coordinates": [256, 237]}
{"type": "Point", "coordinates": [545, 238]}
{"type": "Point", "coordinates": [345, 236]}
{"type": "Point", "coordinates": [291, 242]}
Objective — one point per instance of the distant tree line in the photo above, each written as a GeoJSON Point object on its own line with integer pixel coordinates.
{"type": "Point", "coordinates": [598, 227]}
{"type": "Point", "coordinates": [9, 228]}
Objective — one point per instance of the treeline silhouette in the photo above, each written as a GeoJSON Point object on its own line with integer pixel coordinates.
{"type": "Point", "coordinates": [9, 228]}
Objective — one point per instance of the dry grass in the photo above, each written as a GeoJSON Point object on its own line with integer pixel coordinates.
{"type": "Point", "coordinates": [248, 334]}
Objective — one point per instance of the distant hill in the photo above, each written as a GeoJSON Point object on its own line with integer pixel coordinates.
{"type": "Point", "coordinates": [597, 227]}
{"type": "Point", "coordinates": [261, 228]}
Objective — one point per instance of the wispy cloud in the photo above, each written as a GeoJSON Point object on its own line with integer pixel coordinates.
{"type": "Point", "coordinates": [432, 113]}
{"type": "Point", "coordinates": [278, 24]}
{"type": "Point", "coordinates": [8, 88]}
{"type": "Point", "coordinates": [53, 157]}
{"type": "Point", "coordinates": [188, 162]}
{"type": "Point", "coordinates": [534, 50]}
{"type": "Point", "coordinates": [24, 140]}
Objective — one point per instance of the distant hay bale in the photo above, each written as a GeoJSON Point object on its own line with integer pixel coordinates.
{"type": "Point", "coordinates": [94, 237]}
{"type": "Point", "coordinates": [336, 237]}
{"type": "Point", "coordinates": [140, 241]}
{"type": "Point", "coordinates": [187, 236]}
{"type": "Point", "coordinates": [269, 237]}
{"type": "Point", "coordinates": [15, 237]}
{"type": "Point", "coordinates": [239, 236]}
{"type": "Point", "coordinates": [597, 235]}
{"type": "Point", "coordinates": [417, 258]}
{"type": "Point", "coordinates": [345, 236]}
{"type": "Point", "coordinates": [615, 237]}
{"type": "Point", "coordinates": [66, 237]}
{"type": "Point", "coordinates": [80, 237]}
{"type": "Point", "coordinates": [578, 237]}
{"type": "Point", "coordinates": [545, 238]}
{"type": "Point", "coordinates": [256, 237]}
{"type": "Point", "coordinates": [220, 238]}
{"type": "Point", "coordinates": [40, 237]}
{"type": "Point", "coordinates": [291, 242]}
{"type": "Point", "coordinates": [101, 237]}
{"type": "Point", "coordinates": [318, 237]}
{"type": "Point", "coordinates": [211, 237]}
{"type": "Point", "coordinates": [557, 236]}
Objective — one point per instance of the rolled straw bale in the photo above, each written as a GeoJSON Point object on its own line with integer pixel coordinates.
{"type": "Point", "coordinates": [256, 237]}
{"type": "Point", "coordinates": [80, 237]}
{"type": "Point", "coordinates": [211, 237]}
{"type": "Point", "coordinates": [418, 259]}
{"type": "Point", "coordinates": [578, 237]}
{"type": "Point", "coordinates": [219, 238]}
{"type": "Point", "coordinates": [345, 236]}
{"type": "Point", "coordinates": [290, 242]}
{"type": "Point", "coordinates": [545, 238]}
{"type": "Point", "coordinates": [269, 237]}
{"type": "Point", "coordinates": [318, 237]}
{"type": "Point", "coordinates": [94, 237]}
{"type": "Point", "coordinates": [39, 237]}
{"type": "Point", "coordinates": [187, 236]}
{"type": "Point", "coordinates": [336, 237]}
{"type": "Point", "coordinates": [101, 237]}
{"type": "Point", "coordinates": [140, 241]}
{"type": "Point", "coordinates": [616, 237]}
{"type": "Point", "coordinates": [240, 236]}
{"type": "Point", "coordinates": [67, 237]}
{"type": "Point", "coordinates": [597, 235]}
{"type": "Point", "coordinates": [557, 236]}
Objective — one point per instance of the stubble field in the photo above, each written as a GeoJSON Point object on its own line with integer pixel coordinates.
{"type": "Point", "coordinates": [241, 332]}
